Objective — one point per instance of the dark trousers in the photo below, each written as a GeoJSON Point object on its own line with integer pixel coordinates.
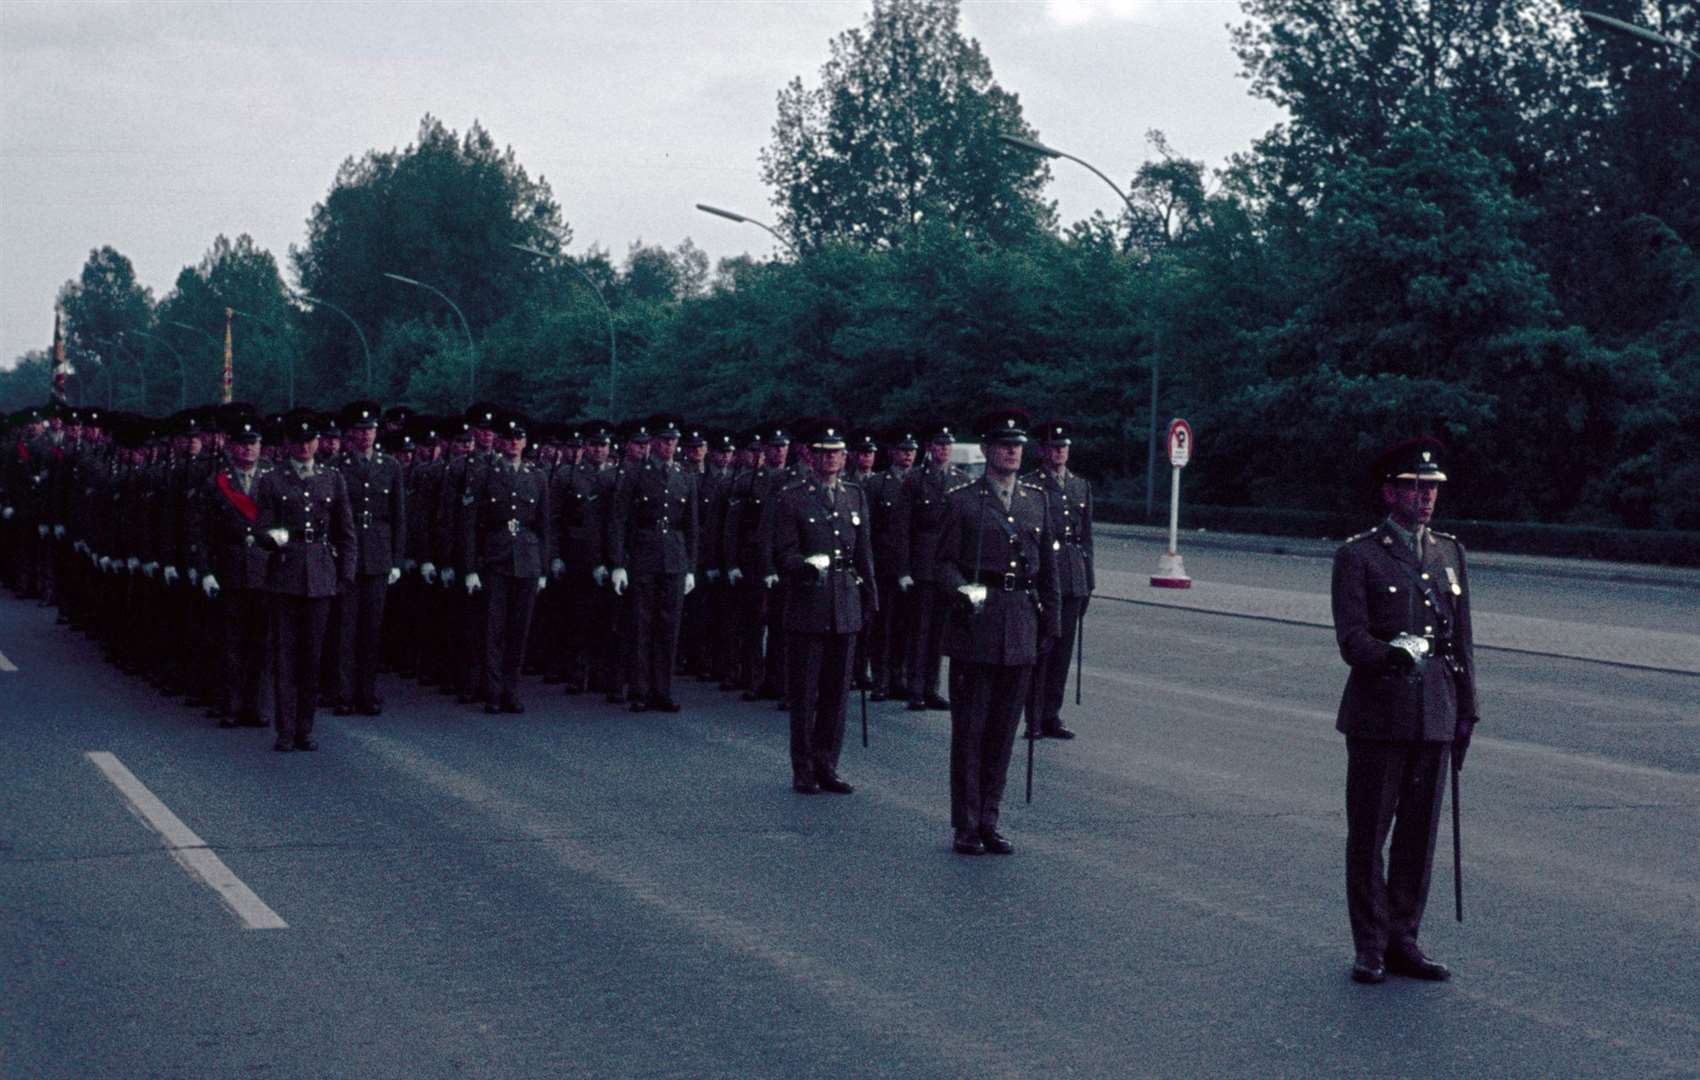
{"type": "Point", "coordinates": [820, 684]}
{"type": "Point", "coordinates": [507, 622]}
{"type": "Point", "coordinates": [657, 604]}
{"type": "Point", "coordinates": [985, 705]}
{"type": "Point", "coordinates": [330, 653]}
{"type": "Point", "coordinates": [774, 677]}
{"type": "Point", "coordinates": [1050, 674]}
{"type": "Point", "coordinates": [466, 637]}
{"type": "Point", "coordinates": [243, 661]}
{"type": "Point", "coordinates": [749, 597]}
{"type": "Point", "coordinates": [1397, 787]}
{"type": "Point", "coordinates": [606, 612]}
{"type": "Point", "coordinates": [887, 640]}
{"type": "Point", "coordinates": [926, 636]}
{"type": "Point", "coordinates": [360, 615]}
{"type": "Point", "coordinates": [573, 635]}
{"type": "Point", "coordinates": [298, 635]}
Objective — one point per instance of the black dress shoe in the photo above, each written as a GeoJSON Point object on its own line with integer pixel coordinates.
{"type": "Point", "coordinates": [1408, 960]}
{"type": "Point", "coordinates": [371, 708]}
{"type": "Point", "coordinates": [251, 721]}
{"type": "Point", "coordinates": [997, 843]}
{"type": "Point", "coordinates": [282, 746]}
{"type": "Point", "coordinates": [935, 702]}
{"type": "Point", "coordinates": [749, 695]}
{"type": "Point", "coordinates": [1368, 968]}
{"type": "Point", "coordinates": [226, 722]}
{"type": "Point", "coordinates": [834, 783]}
{"type": "Point", "coordinates": [513, 705]}
{"type": "Point", "coordinates": [804, 786]}
{"type": "Point", "coordinates": [917, 705]}
{"type": "Point", "coordinates": [306, 744]}
{"type": "Point", "coordinates": [639, 706]}
{"type": "Point", "coordinates": [1057, 731]}
{"type": "Point", "coordinates": [877, 695]}
{"type": "Point", "coordinates": [492, 709]}
{"type": "Point", "coordinates": [663, 704]}
{"type": "Point", "coordinates": [342, 710]}
{"type": "Point", "coordinates": [968, 843]}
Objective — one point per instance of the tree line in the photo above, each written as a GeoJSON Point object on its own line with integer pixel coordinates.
{"type": "Point", "coordinates": [1479, 220]}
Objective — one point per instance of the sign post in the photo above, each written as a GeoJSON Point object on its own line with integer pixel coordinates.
{"type": "Point", "coordinates": [1171, 573]}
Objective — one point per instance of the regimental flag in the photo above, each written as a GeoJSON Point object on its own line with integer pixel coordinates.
{"type": "Point", "coordinates": [61, 371]}
{"type": "Point", "coordinates": [229, 362]}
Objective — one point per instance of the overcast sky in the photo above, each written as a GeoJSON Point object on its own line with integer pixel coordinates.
{"type": "Point", "coordinates": [155, 126]}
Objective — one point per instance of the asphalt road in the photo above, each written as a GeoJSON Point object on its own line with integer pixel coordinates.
{"type": "Point", "coordinates": [580, 891]}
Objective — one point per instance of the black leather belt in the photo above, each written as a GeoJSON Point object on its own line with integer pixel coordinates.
{"type": "Point", "coordinates": [1007, 582]}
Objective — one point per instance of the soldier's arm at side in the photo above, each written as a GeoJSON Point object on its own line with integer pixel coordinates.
{"type": "Point", "coordinates": [343, 538]}
{"type": "Point", "coordinates": [1086, 538]}
{"type": "Point", "coordinates": [1465, 646]}
{"type": "Point", "coordinates": [1049, 584]}
{"type": "Point", "coordinates": [865, 557]}
{"type": "Point", "coordinates": [950, 566]}
{"type": "Point", "coordinates": [398, 517]}
{"type": "Point", "coordinates": [1349, 594]}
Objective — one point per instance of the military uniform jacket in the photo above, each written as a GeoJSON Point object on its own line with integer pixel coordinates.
{"type": "Point", "coordinates": [575, 494]}
{"type": "Point", "coordinates": [1071, 521]}
{"type": "Point", "coordinates": [809, 523]}
{"type": "Point", "coordinates": [228, 544]}
{"type": "Point", "coordinates": [454, 504]}
{"type": "Point", "coordinates": [424, 481]}
{"type": "Point", "coordinates": [743, 542]}
{"type": "Point", "coordinates": [1014, 554]}
{"type": "Point", "coordinates": [508, 530]}
{"type": "Point", "coordinates": [885, 492]}
{"type": "Point", "coordinates": [318, 558]}
{"type": "Point", "coordinates": [714, 489]}
{"type": "Point", "coordinates": [377, 500]}
{"type": "Point", "coordinates": [921, 511]}
{"type": "Point", "coordinates": [1381, 591]}
{"type": "Point", "coordinates": [652, 527]}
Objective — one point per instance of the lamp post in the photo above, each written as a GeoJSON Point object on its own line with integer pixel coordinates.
{"type": "Point", "coordinates": [607, 312]}
{"type": "Point", "coordinates": [182, 374]}
{"type": "Point", "coordinates": [289, 354]}
{"type": "Point", "coordinates": [732, 215]}
{"type": "Point", "coordinates": [1033, 146]}
{"type": "Point", "coordinates": [365, 349]}
{"type": "Point", "coordinates": [471, 349]}
{"type": "Point", "coordinates": [118, 349]}
{"type": "Point", "coordinates": [216, 344]}
{"type": "Point", "coordinates": [1640, 33]}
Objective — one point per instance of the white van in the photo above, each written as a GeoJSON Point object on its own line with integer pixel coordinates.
{"type": "Point", "coordinates": [968, 457]}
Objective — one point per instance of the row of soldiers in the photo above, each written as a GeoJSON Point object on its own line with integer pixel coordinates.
{"type": "Point", "coordinates": [304, 553]}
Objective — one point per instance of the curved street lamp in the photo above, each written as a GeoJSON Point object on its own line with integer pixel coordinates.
{"type": "Point", "coordinates": [365, 349]}
{"type": "Point", "coordinates": [471, 349]}
{"type": "Point", "coordinates": [118, 349]}
{"type": "Point", "coordinates": [732, 215]}
{"type": "Point", "coordinates": [182, 375]}
{"type": "Point", "coordinates": [1033, 146]}
{"type": "Point", "coordinates": [289, 354]}
{"type": "Point", "coordinates": [607, 312]}
{"type": "Point", "coordinates": [1641, 33]}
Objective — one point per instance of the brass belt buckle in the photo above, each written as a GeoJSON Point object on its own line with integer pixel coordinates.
{"type": "Point", "coordinates": [365, 519]}
{"type": "Point", "coordinates": [1009, 583]}
{"type": "Point", "coordinates": [513, 526]}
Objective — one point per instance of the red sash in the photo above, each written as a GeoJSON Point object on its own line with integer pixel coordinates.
{"type": "Point", "coordinates": [23, 450]}
{"type": "Point", "coordinates": [244, 504]}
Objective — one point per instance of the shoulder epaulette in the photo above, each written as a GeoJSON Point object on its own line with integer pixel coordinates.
{"type": "Point", "coordinates": [1362, 536]}
{"type": "Point", "coordinates": [1033, 486]}
{"type": "Point", "coordinates": [1442, 535]}
{"type": "Point", "coordinates": [952, 490]}
{"type": "Point", "coordinates": [794, 485]}
{"type": "Point", "coordinates": [852, 484]}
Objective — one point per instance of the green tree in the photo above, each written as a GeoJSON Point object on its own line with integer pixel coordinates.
{"type": "Point", "coordinates": [266, 335]}
{"type": "Point", "coordinates": [901, 131]}
{"type": "Point", "coordinates": [104, 307]}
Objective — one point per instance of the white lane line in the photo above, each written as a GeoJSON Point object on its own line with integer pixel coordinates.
{"type": "Point", "coordinates": [190, 851]}
{"type": "Point", "coordinates": [5, 664]}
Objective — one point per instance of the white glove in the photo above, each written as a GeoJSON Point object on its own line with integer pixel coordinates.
{"type": "Point", "coordinates": [171, 575]}
{"type": "Point", "coordinates": [76, 545]}
{"type": "Point", "coordinates": [713, 576]}
{"type": "Point", "coordinates": [600, 574]}
{"type": "Point", "coordinates": [209, 585]}
{"type": "Point", "coordinates": [821, 563]}
{"type": "Point", "coordinates": [734, 575]}
{"type": "Point", "coordinates": [194, 575]}
{"type": "Point", "coordinates": [279, 537]}
{"type": "Point", "coordinates": [542, 583]}
{"type": "Point", "coordinates": [557, 567]}
{"type": "Point", "coordinates": [428, 571]}
{"type": "Point", "coordinates": [472, 583]}
{"type": "Point", "coordinates": [770, 580]}
{"type": "Point", "coordinates": [58, 532]}
{"type": "Point", "coordinates": [620, 580]}
{"type": "Point", "coordinates": [103, 562]}
{"type": "Point", "coordinates": [690, 582]}
{"type": "Point", "coordinates": [5, 513]}
{"type": "Point", "coordinates": [41, 531]}
{"type": "Point", "coordinates": [150, 568]}
{"type": "Point", "coordinates": [133, 564]}
{"type": "Point", "coordinates": [448, 577]}
{"type": "Point", "coordinates": [905, 583]}
{"type": "Point", "coordinates": [395, 575]}
{"type": "Point", "coordinates": [408, 566]}
{"type": "Point", "coordinates": [976, 594]}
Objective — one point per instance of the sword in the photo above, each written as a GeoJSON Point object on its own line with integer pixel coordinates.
{"type": "Point", "coordinates": [864, 717]}
{"type": "Point", "coordinates": [1079, 651]}
{"type": "Point", "coordinates": [1457, 852]}
{"type": "Point", "coordinates": [1031, 735]}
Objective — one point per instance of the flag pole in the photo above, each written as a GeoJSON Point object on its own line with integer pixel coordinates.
{"type": "Point", "coordinates": [229, 361]}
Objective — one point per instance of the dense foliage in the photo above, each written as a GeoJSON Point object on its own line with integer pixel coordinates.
{"type": "Point", "coordinates": [1478, 220]}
